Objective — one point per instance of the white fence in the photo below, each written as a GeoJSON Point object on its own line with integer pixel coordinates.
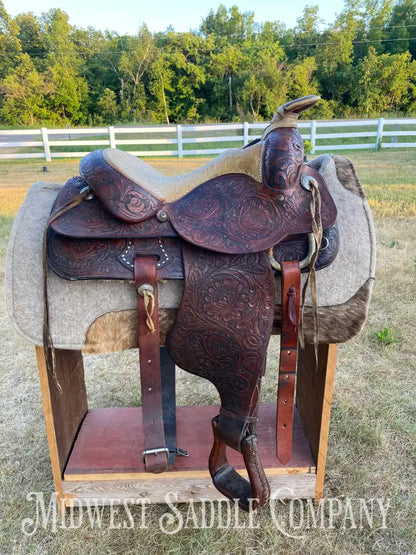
{"type": "Point", "coordinates": [324, 136]}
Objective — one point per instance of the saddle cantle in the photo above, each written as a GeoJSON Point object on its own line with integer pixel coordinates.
{"type": "Point", "coordinates": [222, 228]}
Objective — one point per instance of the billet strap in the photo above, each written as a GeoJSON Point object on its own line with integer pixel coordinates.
{"type": "Point", "coordinates": [291, 294]}
{"type": "Point", "coordinates": [167, 369]}
{"type": "Point", "coordinates": [252, 493]}
{"type": "Point", "coordinates": [155, 455]}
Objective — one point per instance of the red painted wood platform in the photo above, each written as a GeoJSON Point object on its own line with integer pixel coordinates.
{"type": "Point", "coordinates": [110, 441]}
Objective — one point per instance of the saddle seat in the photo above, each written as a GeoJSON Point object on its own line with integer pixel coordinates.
{"type": "Point", "coordinates": [124, 171]}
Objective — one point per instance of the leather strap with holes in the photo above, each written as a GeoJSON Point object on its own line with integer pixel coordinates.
{"type": "Point", "coordinates": [155, 455]}
{"type": "Point", "coordinates": [291, 293]}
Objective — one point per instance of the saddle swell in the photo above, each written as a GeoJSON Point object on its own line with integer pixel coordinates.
{"type": "Point", "coordinates": [216, 236]}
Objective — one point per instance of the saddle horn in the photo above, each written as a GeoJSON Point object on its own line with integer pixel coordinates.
{"type": "Point", "coordinates": [287, 114]}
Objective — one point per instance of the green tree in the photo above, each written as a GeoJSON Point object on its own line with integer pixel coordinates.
{"type": "Point", "coordinates": [160, 83]}
{"type": "Point", "coordinates": [23, 95]}
{"type": "Point", "coordinates": [32, 39]}
{"type": "Point", "coordinates": [264, 78]}
{"type": "Point", "coordinates": [184, 74]}
{"type": "Point", "coordinates": [306, 36]}
{"type": "Point", "coordinates": [107, 105]}
{"type": "Point", "coordinates": [10, 47]}
{"type": "Point", "coordinates": [371, 29]}
{"type": "Point", "coordinates": [385, 82]}
{"type": "Point", "coordinates": [134, 65]}
{"type": "Point", "coordinates": [228, 26]}
{"type": "Point", "coordinates": [67, 94]}
{"type": "Point", "coordinates": [301, 81]}
{"type": "Point", "coordinates": [226, 64]}
{"type": "Point", "coordinates": [401, 28]}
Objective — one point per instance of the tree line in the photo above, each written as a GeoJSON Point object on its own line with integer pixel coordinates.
{"type": "Point", "coordinates": [230, 69]}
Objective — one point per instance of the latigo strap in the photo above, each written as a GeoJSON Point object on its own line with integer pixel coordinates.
{"type": "Point", "coordinates": [155, 455]}
{"type": "Point", "coordinates": [291, 294]}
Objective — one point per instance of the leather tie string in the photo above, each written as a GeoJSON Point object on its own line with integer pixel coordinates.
{"type": "Point", "coordinates": [317, 230]}
{"type": "Point", "coordinates": [149, 307]}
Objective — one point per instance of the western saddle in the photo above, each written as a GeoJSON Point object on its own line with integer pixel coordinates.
{"type": "Point", "coordinates": [226, 229]}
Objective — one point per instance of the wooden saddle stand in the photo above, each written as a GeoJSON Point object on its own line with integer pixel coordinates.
{"type": "Point", "coordinates": [227, 230]}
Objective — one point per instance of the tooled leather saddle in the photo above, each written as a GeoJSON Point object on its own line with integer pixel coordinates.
{"type": "Point", "coordinates": [226, 229]}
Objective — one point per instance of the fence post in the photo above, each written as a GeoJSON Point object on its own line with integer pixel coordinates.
{"type": "Point", "coordinates": [46, 147]}
{"type": "Point", "coordinates": [112, 136]}
{"type": "Point", "coordinates": [313, 135]}
{"type": "Point", "coordinates": [180, 144]}
{"type": "Point", "coordinates": [245, 133]}
{"type": "Point", "coordinates": [395, 138]}
{"type": "Point", "coordinates": [379, 133]}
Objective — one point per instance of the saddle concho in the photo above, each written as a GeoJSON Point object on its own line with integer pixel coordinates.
{"type": "Point", "coordinates": [226, 229]}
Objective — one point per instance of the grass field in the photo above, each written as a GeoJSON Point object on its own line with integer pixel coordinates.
{"type": "Point", "coordinates": [372, 443]}
{"type": "Point", "coordinates": [389, 178]}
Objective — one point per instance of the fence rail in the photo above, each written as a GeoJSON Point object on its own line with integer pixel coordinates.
{"type": "Point", "coordinates": [323, 135]}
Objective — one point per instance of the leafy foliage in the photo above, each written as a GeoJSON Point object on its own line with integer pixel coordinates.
{"type": "Point", "coordinates": [232, 68]}
{"type": "Point", "coordinates": [386, 336]}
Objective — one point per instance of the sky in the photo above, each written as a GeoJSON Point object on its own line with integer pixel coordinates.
{"type": "Point", "coordinates": [127, 16]}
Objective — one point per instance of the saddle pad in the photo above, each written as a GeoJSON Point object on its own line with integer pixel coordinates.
{"type": "Point", "coordinates": [344, 288]}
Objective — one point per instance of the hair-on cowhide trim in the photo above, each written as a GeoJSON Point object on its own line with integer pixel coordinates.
{"type": "Point", "coordinates": [332, 319]}
{"type": "Point", "coordinates": [116, 331]}
{"type": "Point", "coordinates": [344, 170]}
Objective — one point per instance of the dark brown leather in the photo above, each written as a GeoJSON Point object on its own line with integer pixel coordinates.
{"type": "Point", "coordinates": [120, 196]}
{"type": "Point", "coordinates": [252, 493]}
{"type": "Point", "coordinates": [221, 333]}
{"type": "Point", "coordinates": [291, 293]}
{"type": "Point", "coordinates": [156, 453]}
{"type": "Point", "coordinates": [92, 220]}
{"type": "Point", "coordinates": [112, 258]}
{"type": "Point", "coordinates": [233, 214]}
{"type": "Point", "coordinates": [88, 243]}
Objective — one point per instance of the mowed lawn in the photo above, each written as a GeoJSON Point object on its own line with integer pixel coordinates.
{"type": "Point", "coordinates": [388, 177]}
{"type": "Point", "coordinates": [372, 442]}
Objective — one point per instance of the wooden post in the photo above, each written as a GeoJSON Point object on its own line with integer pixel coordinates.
{"type": "Point", "coordinates": [180, 144]}
{"type": "Point", "coordinates": [313, 136]}
{"type": "Point", "coordinates": [245, 133]}
{"type": "Point", "coordinates": [379, 133]}
{"type": "Point", "coordinates": [64, 411]}
{"type": "Point", "coordinates": [314, 398]}
{"type": "Point", "coordinates": [112, 136]}
{"type": "Point", "coordinates": [46, 147]}
{"type": "Point", "coordinates": [89, 455]}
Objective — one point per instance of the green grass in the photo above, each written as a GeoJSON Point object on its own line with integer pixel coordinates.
{"type": "Point", "coordinates": [389, 181]}
{"type": "Point", "coordinates": [388, 178]}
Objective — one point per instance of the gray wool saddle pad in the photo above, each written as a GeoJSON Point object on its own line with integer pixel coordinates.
{"type": "Point", "coordinates": [100, 316]}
